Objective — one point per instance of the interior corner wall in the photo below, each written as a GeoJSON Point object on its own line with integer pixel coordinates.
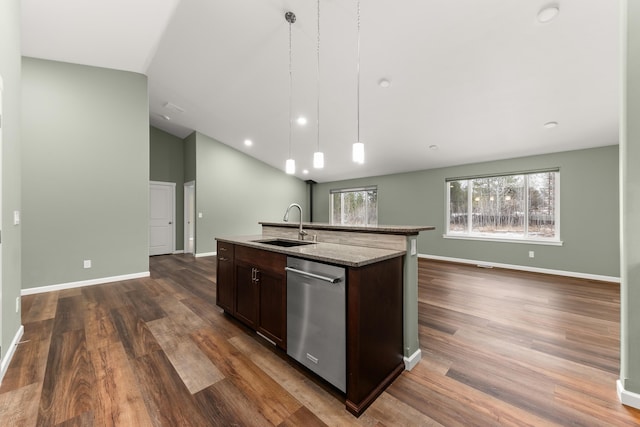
{"type": "Point", "coordinates": [235, 191]}
{"type": "Point", "coordinates": [630, 201]}
{"type": "Point", "coordinates": [85, 173]}
{"type": "Point", "coordinates": [166, 164]}
{"type": "Point", "coordinates": [10, 70]}
{"type": "Point", "coordinates": [589, 221]}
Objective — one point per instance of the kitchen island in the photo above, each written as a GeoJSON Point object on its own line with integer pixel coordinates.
{"type": "Point", "coordinates": [381, 274]}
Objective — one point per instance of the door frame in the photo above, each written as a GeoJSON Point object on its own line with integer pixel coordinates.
{"type": "Point", "coordinates": [189, 215]}
{"type": "Point", "coordinates": [172, 185]}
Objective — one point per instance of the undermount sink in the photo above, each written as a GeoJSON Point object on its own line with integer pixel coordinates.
{"type": "Point", "coordinates": [283, 242]}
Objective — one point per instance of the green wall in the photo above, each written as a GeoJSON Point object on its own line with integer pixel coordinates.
{"type": "Point", "coordinates": [630, 198]}
{"type": "Point", "coordinates": [11, 150]}
{"type": "Point", "coordinates": [166, 164]}
{"type": "Point", "coordinates": [234, 192]}
{"type": "Point", "coordinates": [85, 135]}
{"type": "Point", "coordinates": [589, 221]}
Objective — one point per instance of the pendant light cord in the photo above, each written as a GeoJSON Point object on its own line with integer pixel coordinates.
{"type": "Point", "coordinates": [290, 89]}
{"type": "Point", "coordinates": [358, 90]}
{"type": "Point", "coordinates": [318, 82]}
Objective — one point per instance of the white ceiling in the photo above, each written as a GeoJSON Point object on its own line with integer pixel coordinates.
{"type": "Point", "coordinates": [478, 79]}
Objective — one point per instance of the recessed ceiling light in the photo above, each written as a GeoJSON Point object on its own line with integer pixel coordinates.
{"type": "Point", "coordinates": [384, 83]}
{"type": "Point", "coordinates": [164, 116]}
{"type": "Point", "coordinates": [248, 142]}
{"type": "Point", "coordinates": [550, 125]}
{"type": "Point", "coordinates": [548, 13]}
{"type": "Point", "coordinates": [302, 120]}
{"type": "Point", "coordinates": [433, 147]}
{"type": "Point", "coordinates": [305, 171]}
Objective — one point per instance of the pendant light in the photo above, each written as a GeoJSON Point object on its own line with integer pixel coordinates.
{"type": "Point", "coordinates": [290, 166]}
{"type": "Point", "coordinates": [318, 156]}
{"type": "Point", "coordinates": [358, 147]}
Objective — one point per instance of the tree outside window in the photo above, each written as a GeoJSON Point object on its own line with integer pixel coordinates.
{"type": "Point", "coordinates": [354, 206]}
{"type": "Point", "coordinates": [518, 206]}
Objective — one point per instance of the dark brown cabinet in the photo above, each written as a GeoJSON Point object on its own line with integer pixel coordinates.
{"type": "Point", "coordinates": [225, 283]}
{"type": "Point", "coordinates": [260, 292]}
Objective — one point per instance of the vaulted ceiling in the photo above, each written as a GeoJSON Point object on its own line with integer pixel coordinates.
{"type": "Point", "coordinates": [470, 80]}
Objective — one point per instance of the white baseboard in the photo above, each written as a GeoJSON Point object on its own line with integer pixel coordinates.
{"type": "Point", "coordinates": [628, 398]}
{"type": "Point", "coordinates": [524, 268]}
{"type": "Point", "coordinates": [91, 282]}
{"type": "Point", "coordinates": [411, 361]}
{"type": "Point", "coordinates": [4, 365]}
{"type": "Point", "coordinates": [179, 251]}
{"type": "Point", "coordinates": [206, 254]}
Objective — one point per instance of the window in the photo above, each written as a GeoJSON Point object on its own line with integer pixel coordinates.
{"type": "Point", "coordinates": [354, 206]}
{"type": "Point", "coordinates": [523, 206]}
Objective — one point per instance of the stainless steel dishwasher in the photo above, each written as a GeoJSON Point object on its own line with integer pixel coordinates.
{"type": "Point", "coordinates": [316, 318]}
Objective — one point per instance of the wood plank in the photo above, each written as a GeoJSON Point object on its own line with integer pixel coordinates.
{"type": "Point", "coordinates": [225, 405]}
{"type": "Point", "coordinates": [274, 402]}
{"type": "Point", "coordinates": [118, 401]}
{"type": "Point", "coordinates": [194, 368]}
{"type": "Point", "coordinates": [133, 332]}
{"type": "Point", "coordinates": [29, 362]}
{"type": "Point", "coordinates": [19, 407]}
{"type": "Point", "coordinates": [43, 307]}
{"type": "Point", "coordinates": [168, 401]}
{"type": "Point", "coordinates": [67, 388]}
{"type": "Point", "coordinates": [183, 320]}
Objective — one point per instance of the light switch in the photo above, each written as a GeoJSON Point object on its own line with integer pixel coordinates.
{"type": "Point", "coordinates": [16, 217]}
{"type": "Point", "coordinates": [199, 214]}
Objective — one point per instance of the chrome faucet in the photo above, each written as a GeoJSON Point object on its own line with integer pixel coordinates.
{"type": "Point", "coordinates": [301, 232]}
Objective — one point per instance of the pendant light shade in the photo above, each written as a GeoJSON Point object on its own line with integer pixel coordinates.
{"type": "Point", "coordinates": [318, 160]}
{"type": "Point", "coordinates": [290, 166]}
{"type": "Point", "coordinates": [358, 146]}
{"type": "Point", "coordinates": [358, 152]}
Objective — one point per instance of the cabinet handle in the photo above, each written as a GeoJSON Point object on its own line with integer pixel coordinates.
{"type": "Point", "coordinates": [223, 259]}
{"type": "Point", "coordinates": [222, 249]}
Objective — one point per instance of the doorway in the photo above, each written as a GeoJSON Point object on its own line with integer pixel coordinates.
{"type": "Point", "coordinates": [190, 217]}
{"type": "Point", "coordinates": [162, 212]}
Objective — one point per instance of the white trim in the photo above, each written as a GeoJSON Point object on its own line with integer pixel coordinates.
{"type": "Point", "coordinates": [179, 251]}
{"type": "Point", "coordinates": [628, 398]}
{"type": "Point", "coordinates": [524, 268]}
{"type": "Point", "coordinates": [6, 360]}
{"type": "Point", "coordinates": [90, 282]}
{"type": "Point", "coordinates": [206, 254]}
{"type": "Point", "coordinates": [411, 361]}
{"type": "Point", "coordinates": [188, 187]}
{"type": "Point", "coordinates": [502, 239]}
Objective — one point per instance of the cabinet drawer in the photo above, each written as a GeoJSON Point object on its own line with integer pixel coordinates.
{"type": "Point", "coordinates": [265, 260]}
{"type": "Point", "coordinates": [225, 251]}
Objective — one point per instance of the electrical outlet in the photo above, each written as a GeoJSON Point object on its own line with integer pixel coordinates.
{"type": "Point", "coordinates": [199, 214]}
{"type": "Point", "coordinates": [87, 263]}
{"type": "Point", "coordinates": [17, 304]}
{"type": "Point", "coordinates": [532, 254]}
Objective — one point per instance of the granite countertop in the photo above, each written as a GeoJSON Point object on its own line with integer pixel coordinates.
{"type": "Point", "coordinates": [381, 229]}
{"type": "Point", "coordinates": [350, 256]}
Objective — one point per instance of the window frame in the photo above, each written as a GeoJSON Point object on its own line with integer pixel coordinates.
{"type": "Point", "coordinates": [352, 190]}
{"type": "Point", "coordinates": [470, 235]}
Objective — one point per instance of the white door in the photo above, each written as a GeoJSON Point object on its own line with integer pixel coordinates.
{"type": "Point", "coordinates": [162, 207]}
{"type": "Point", "coordinates": [190, 217]}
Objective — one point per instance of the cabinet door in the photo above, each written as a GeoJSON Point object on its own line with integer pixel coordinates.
{"type": "Point", "coordinates": [246, 294]}
{"type": "Point", "coordinates": [273, 307]}
{"type": "Point", "coordinates": [225, 281]}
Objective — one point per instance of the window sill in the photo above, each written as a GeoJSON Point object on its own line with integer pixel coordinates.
{"type": "Point", "coordinates": [504, 240]}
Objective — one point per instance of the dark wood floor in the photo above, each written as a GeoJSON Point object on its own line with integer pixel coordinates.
{"type": "Point", "coordinates": [499, 348]}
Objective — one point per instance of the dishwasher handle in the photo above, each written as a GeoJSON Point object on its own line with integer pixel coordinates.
{"type": "Point", "coordinates": [315, 276]}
